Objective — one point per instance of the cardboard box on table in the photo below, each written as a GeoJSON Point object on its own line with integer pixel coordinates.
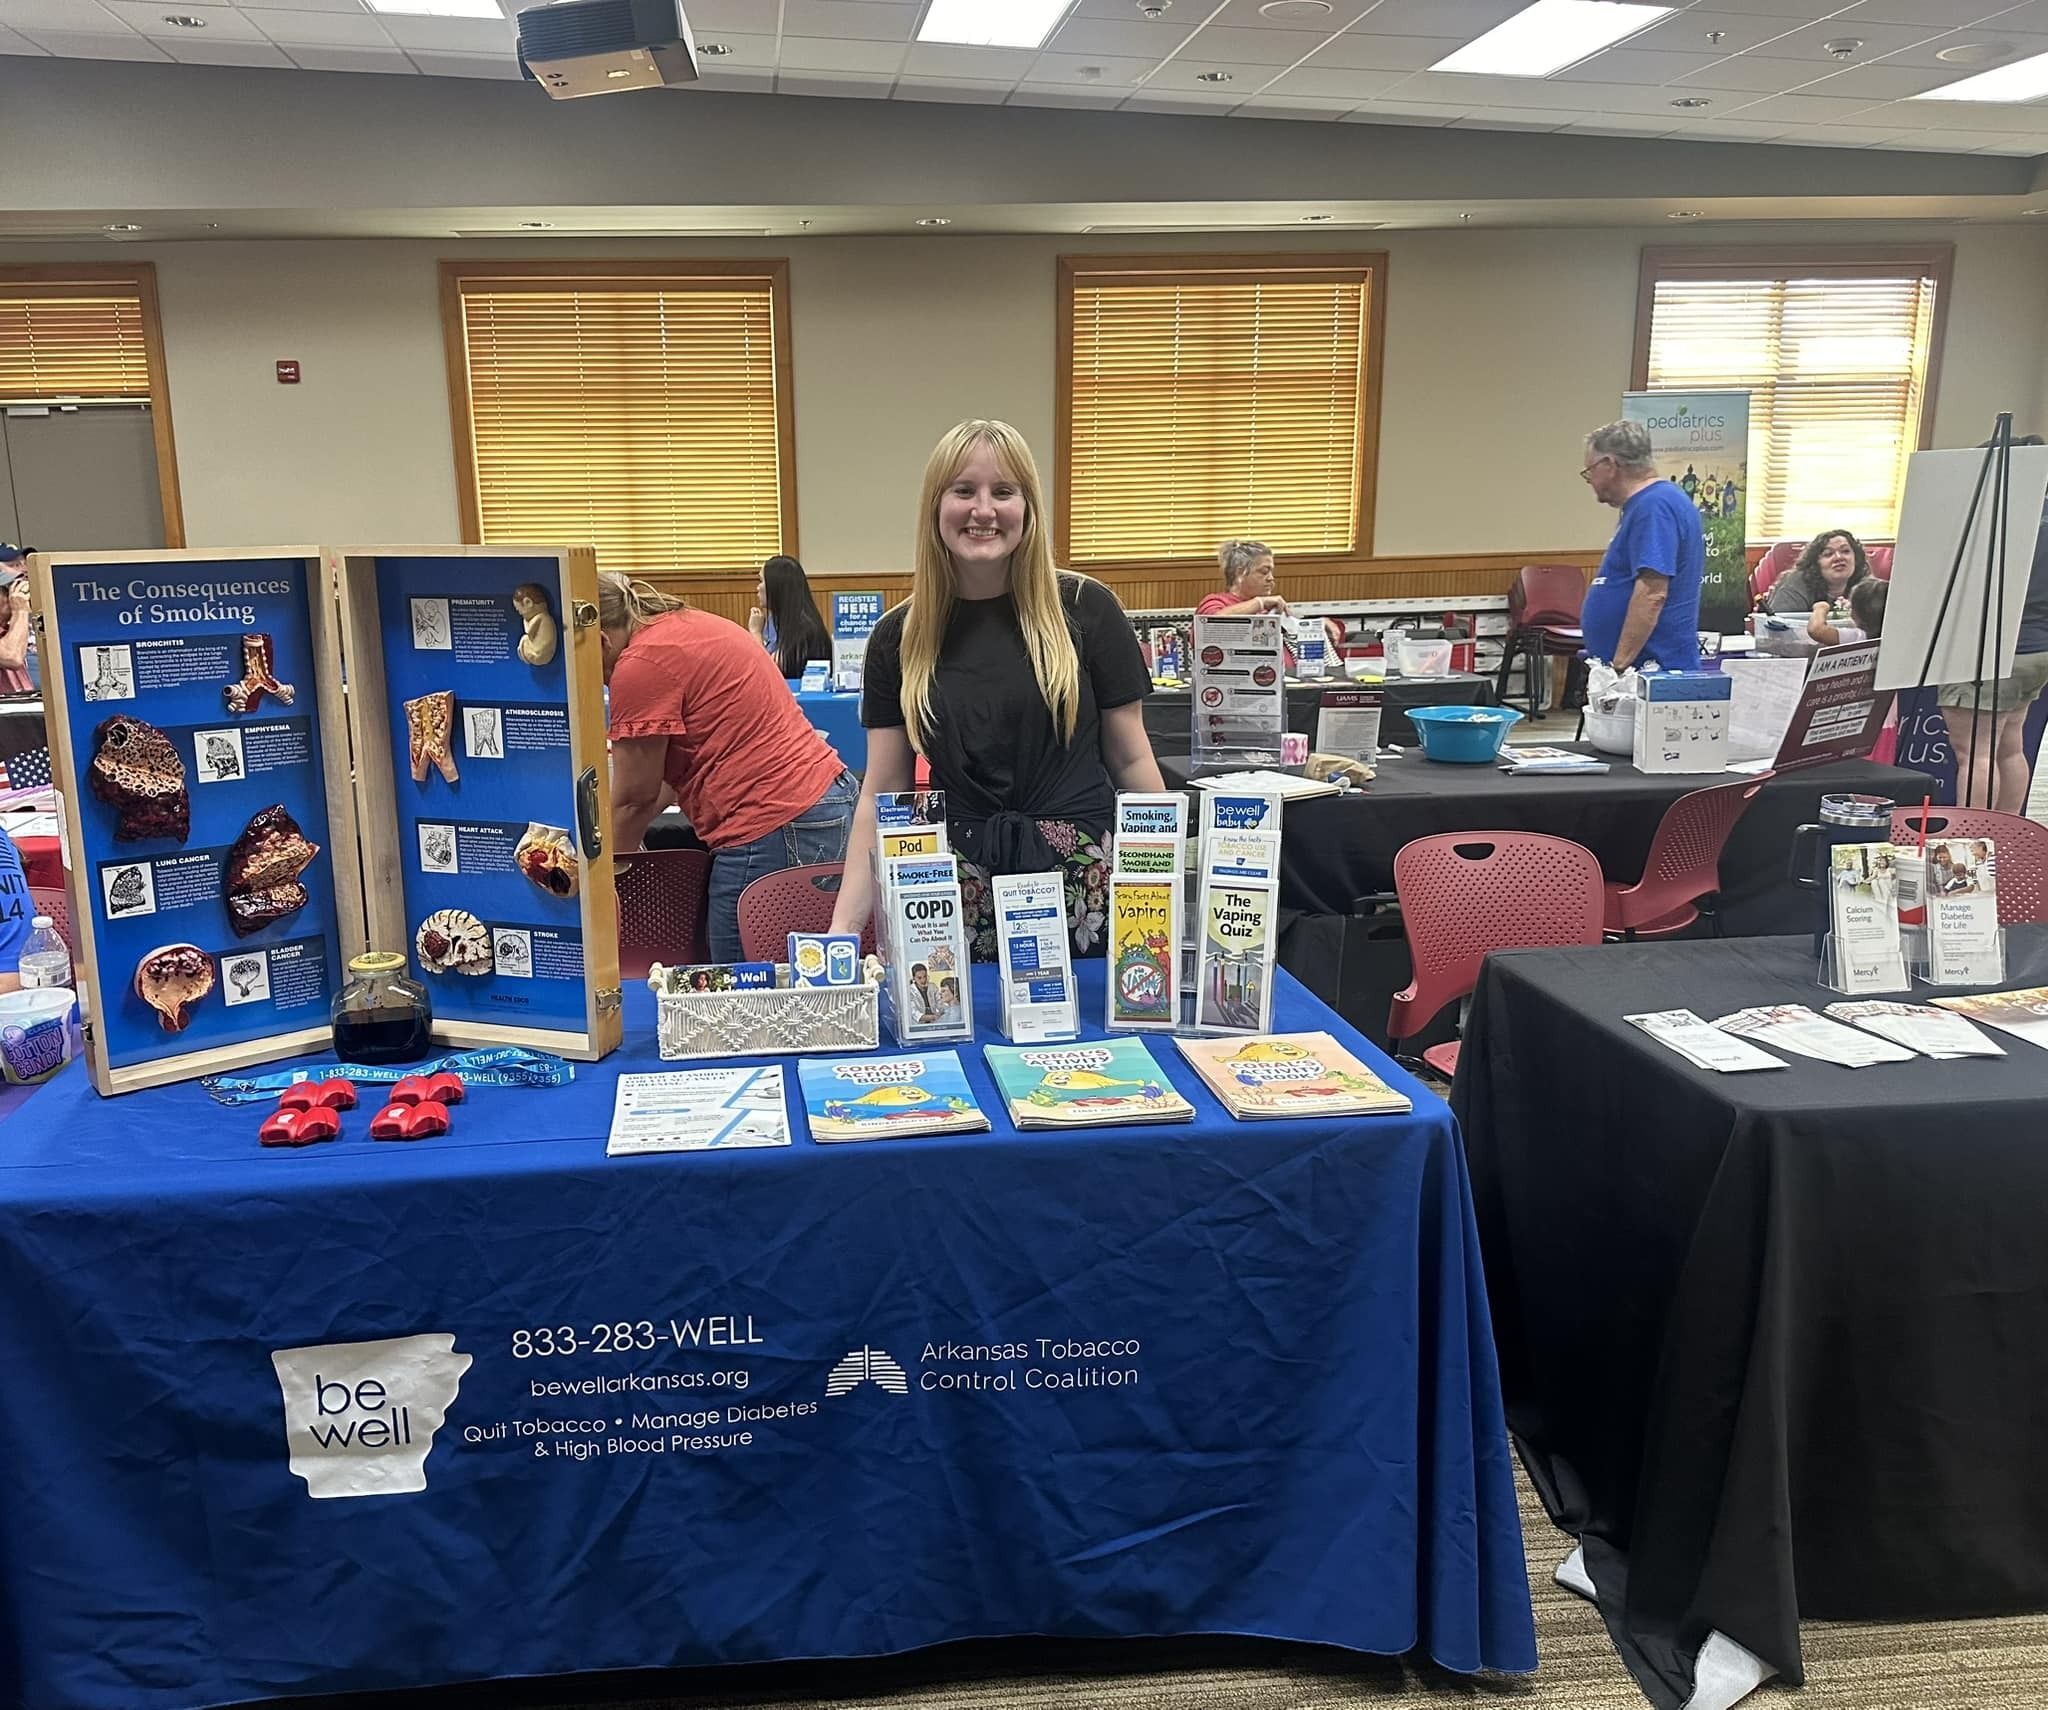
{"type": "Point", "coordinates": [156, 640]}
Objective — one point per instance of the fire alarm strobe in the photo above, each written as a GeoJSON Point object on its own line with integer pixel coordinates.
{"type": "Point", "coordinates": [603, 47]}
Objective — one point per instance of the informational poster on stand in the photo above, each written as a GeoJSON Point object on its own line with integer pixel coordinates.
{"type": "Point", "coordinates": [1240, 690]}
{"type": "Point", "coordinates": [854, 617]}
{"type": "Point", "coordinates": [187, 716]}
{"type": "Point", "coordinates": [1840, 709]}
{"type": "Point", "coordinates": [1348, 722]}
{"type": "Point", "coordinates": [1700, 441]}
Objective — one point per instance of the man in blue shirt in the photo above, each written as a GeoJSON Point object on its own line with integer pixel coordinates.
{"type": "Point", "coordinates": [17, 914]}
{"type": "Point", "coordinates": [1644, 606]}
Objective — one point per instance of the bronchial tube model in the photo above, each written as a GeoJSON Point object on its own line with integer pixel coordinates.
{"type": "Point", "coordinates": [259, 678]}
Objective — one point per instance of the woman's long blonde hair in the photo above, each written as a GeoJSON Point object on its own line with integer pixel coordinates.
{"type": "Point", "coordinates": [624, 603]}
{"type": "Point", "coordinates": [1033, 582]}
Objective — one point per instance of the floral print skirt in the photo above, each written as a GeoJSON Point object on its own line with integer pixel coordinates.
{"type": "Point", "coordinates": [1084, 866]}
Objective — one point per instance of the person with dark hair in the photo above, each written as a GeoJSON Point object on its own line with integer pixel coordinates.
{"type": "Point", "coordinates": [1833, 562]}
{"type": "Point", "coordinates": [1865, 619]}
{"type": "Point", "coordinates": [17, 635]}
{"type": "Point", "coordinates": [785, 617]}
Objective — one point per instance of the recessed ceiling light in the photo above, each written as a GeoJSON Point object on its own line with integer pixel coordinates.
{"type": "Point", "coordinates": [620, 72]}
{"type": "Point", "coordinates": [1212, 76]}
{"type": "Point", "coordinates": [2023, 80]}
{"type": "Point", "coordinates": [1843, 47]}
{"type": "Point", "coordinates": [992, 23]}
{"type": "Point", "coordinates": [184, 21]}
{"type": "Point", "coordinates": [935, 220]}
{"type": "Point", "coordinates": [1551, 35]}
{"type": "Point", "coordinates": [1687, 214]}
{"type": "Point", "coordinates": [439, 8]}
{"type": "Point", "coordinates": [713, 50]}
{"type": "Point", "coordinates": [1974, 53]}
{"type": "Point", "coordinates": [1305, 11]}
{"type": "Point", "coordinates": [120, 228]}
{"type": "Point", "coordinates": [1692, 102]}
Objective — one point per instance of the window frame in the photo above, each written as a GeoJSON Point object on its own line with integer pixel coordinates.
{"type": "Point", "coordinates": [573, 270]}
{"type": "Point", "coordinates": [139, 276]}
{"type": "Point", "coordinates": [1203, 268]}
{"type": "Point", "coordinates": [1682, 262]}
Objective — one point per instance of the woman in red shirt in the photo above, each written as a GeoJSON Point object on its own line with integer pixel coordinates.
{"type": "Point", "coordinates": [1248, 579]}
{"type": "Point", "coordinates": [697, 706]}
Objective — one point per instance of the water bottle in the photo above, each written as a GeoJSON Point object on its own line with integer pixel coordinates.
{"type": "Point", "coordinates": [44, 959]}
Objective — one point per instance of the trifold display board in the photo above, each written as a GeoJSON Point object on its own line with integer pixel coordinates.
{"type": "Point", "coordinates": [237, 826]}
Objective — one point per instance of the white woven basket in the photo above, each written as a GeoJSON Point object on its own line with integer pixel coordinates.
{"type": "Point", "coordinates": [778, 1023]}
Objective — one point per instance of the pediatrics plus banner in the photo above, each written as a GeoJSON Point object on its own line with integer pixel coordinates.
{"type": "Point", "coordinates": [1700, 440]}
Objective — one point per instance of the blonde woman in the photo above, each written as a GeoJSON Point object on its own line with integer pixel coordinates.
{"type": "Point", "coordinates": [1248, 583]}
{"type": "Point", "coordinates": [1019, 684]}
{"type": "Point", "coordinates": [699, 708]}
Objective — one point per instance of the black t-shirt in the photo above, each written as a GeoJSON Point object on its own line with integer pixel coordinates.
{"type": "Point", "coordinates": [992, 746]}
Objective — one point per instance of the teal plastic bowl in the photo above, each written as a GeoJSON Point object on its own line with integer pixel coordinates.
{"type": "Point", "coordinates": [1465, 736]}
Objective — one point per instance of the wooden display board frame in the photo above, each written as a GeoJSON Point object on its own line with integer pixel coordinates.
{"type": "Point", "coordinates": [359, 791]}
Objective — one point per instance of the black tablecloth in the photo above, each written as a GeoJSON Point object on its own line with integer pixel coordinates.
{"type": "Point", "coordinates": [1774, 1344]}
{"type": "Point", "coordinates": [1167, 711]}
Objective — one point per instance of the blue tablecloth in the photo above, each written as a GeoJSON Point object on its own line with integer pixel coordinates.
{"type": "Point", "coordinates": [1216, 1378]}
{"type": "Point", "coordinates": [837, 718]}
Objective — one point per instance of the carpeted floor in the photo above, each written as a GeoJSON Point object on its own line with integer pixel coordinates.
{"type": "Point", "coordinates": [1959, 1665]}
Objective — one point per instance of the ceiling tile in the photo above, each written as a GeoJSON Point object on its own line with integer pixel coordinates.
{"type": "Point", "coordinates": [451, 35]}
{"type": "Point", "coordinates": [1511, 119]}
{"type": "Point", "coordinates": [1091, 37]}
{"type": "Point", "coordinates": [1067, 68]}
{"type": "Point", "coordinates": [12, 43]}
{"type": "Point", "coordinates": [1446, 111]}
{"type": "Point", "coordinates": [1549, 93]}
{"type": "Point", "coordinates": [73, 17]}
{"type": "Point", "coordinates": [1245, 14]}
{"type": "Point", "coordinates": [1687, 32]}
{"type": "Point", "coordinates": [353, 59]}
{"type": "Point", "coordinates": [503, 66]}
{"type": "Point", "coordinates": [2021, 46]}
{"type": "Point", "coordinates": [341, 6]}
{"type": "Point", "coordinates": [864, 20]}
{"type": "Point", "coordinates": [966, 91]}
{"type": "Point", "coordinates": [1337, 82]}
{"type": "Point", "coordinates": [196, 50]}
{"type": "Point", "coordinates": [974, 64]}
{"type": "Point", "coordinates": [1638, 65]}
{"type": "Point", "coordinates": [1939, 14]}
{"type": "Point", "coordinates": [1386, 53]}
{"type": "Point", "coordinates": [1838, 136]}
{"type": "Point", "coordinates": [1800, 109]}
{"type": "Point", "coordinates": [223, 23]}
{"type": "Point", "coordinates": [1795, 10]}
{"type": "Point", "coordinates": [1877, 39]}
{"type": "Point", "coordinates": [1461, 18]}
{"type": "Point", "coordinates": [2032, 16]}
{"type": "Point", "coordinates": [821, 53]}
{"type": "Point", "coordinates": [740, 79]}
{"type": "Point", "coordinates": [1388, 116]}
{"type": "Point", "coordinates": [1215, 46]}
{"type": "Point", "coordinates": [1304, 109]}
{"type": "Point", "coordinates": [127, 45]}
{"type": "Point", "coordinates": [1172, 102]}
{"type": "Point", "coordinates": [757, 52]}
{"type": "Point", "coordinates": [1730, 130]}
{"type": "Point", "coordinates": [1960, 116]}
{"type": "Point", "coordinates": [1752, 72]}
{"type": "Point", "coordinates": [2026, 147]}
{"type": "Point", "coordinates": [1938, 142]}
{"type": "Point", "coordinates": [846, 85]}
{"type": "Point", "coordinates": [1065, 95]}
{"type": "Point", "coordinates": [320, 29]}
{"type": "Point", "coordinates": [1614, 125]}
{"type": "Point", "coordinates": [1883, 82]}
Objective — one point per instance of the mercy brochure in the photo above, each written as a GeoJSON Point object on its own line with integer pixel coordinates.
{"type": "Point", "coordinates": [1864, 914]}
{"type": "Point", "coordinates": [877, 1098]}
{"type": "Point", "coordinates": [1795, 1028]}
{"type": "Point", "coordinates": [1964, 947]}
{"type": "Point", "coordinates": [1703, 1046]}
{"type": "Point", "coordinates": [1919, 1027]}
{"type": "Point", "coordinates": [1035, 972]}
{"type": "Point", "coordinates": [2023, 1014]}
{"type": "Point", "coordinates": [698, 1110]}
{"type": "Point", "coordinates": [1104, 1082]}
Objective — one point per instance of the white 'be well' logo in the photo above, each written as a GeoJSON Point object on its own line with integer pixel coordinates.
{"type": "Point", "coordinates": [359, 1417]}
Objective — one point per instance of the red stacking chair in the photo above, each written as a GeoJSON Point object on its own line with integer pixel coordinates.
{"type": "Point", "coordinates": [2019, 853]}
{"type": "Point", "coordinates": [1772, 565]}
{"type": "Point", "coordinates": [1543, 622]}
{"type": "Point", "coordinates": [44, 899]}
{"type": "Point", "coordinates": [661, 908]}
{"type": "Point", "coordinates": [797, 899]}
{"type": "Point", "coordinates": [1682, 874]}
{"type": "Point", "coordinates": [1465, 894]}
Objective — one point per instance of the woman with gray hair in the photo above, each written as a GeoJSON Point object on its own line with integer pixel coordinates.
{"type": "Point", "coordinates": [1248, 579]}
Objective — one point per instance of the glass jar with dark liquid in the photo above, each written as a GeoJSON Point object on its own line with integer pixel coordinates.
{"type": "Point", "coordinates": [382, 1014]}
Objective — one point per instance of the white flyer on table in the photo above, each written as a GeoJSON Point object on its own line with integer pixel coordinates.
{"type": "Point", "coordinates": [1795, 1028]}
{"type": "Point", "coordinates": [1963, 943]}
{"type": "Point", "coordinates": [1919, 1027]}
{"type": "Point", "coordinates": [1703, 1046]}
{"type": "Point", "coordinates": [699, 1110]}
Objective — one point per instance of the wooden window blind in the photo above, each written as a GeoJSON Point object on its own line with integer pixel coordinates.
{"type": "Point", "coordinates": [80, 341]}
{"type": "Point", "coordinates": [1201, 401]}
{"type": "Point", "coordinates": [1838, 361]}
{"type": "Point", "coordinates": [645, 414]}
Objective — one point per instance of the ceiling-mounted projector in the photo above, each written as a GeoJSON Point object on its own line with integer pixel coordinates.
{"type": "Point", "coordinates": [602, 47]}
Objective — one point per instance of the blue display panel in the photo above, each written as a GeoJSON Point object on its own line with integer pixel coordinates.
{"type": "Point", "coordinates": [453, 626]}
{"type": "Point", "coordinates": [201, 801]}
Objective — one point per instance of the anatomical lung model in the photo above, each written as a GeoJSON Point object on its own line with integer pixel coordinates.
{"type": "Point", "coordinates": [429, 729]}
{"type": "Point", "coordinates": [259, 678]}
{"type": "Point", "coordinates": [139, 774]}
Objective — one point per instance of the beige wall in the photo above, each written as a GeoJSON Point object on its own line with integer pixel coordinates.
{"type": "Point", "coordinates": [1502, 348]}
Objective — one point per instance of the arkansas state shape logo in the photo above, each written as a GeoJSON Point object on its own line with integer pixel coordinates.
{"type": "Point", "coordinates": [359, 1417]}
